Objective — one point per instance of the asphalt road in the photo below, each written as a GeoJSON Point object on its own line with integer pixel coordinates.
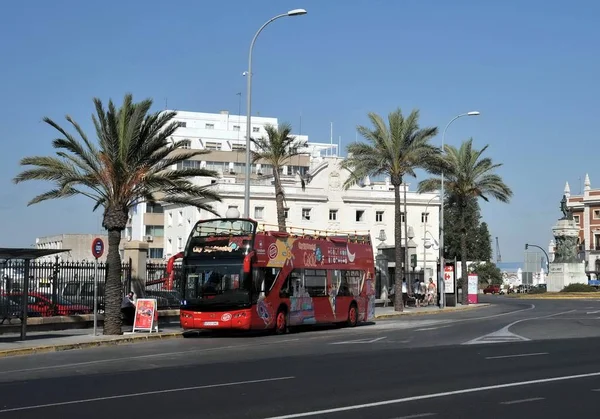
{"type": "Point", "coordinates": [514, 359]}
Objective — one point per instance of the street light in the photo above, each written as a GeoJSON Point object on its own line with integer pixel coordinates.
{"type": "Point", "coordinates": [294, 12]}
{"type": "Point", "coordinates": [527, 245]}
{"type": "Point", "coordinates": [425, 219]}
{"type": "Point", "coordinates": [442, 261]}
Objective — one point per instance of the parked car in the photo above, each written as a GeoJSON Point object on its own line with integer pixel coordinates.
{"type": "Point", "coordinates": [84, 292]}
{"type": "Point", "coordinates": [43, 304]}
{"type": "Point", "coordinates": [9, 310]}
{"type": "Point", "coordinates": [492, 289]}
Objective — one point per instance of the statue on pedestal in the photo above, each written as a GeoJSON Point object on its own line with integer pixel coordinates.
{"type": "Point", "coordinates": [566, 234]}
{"type": "Point", "coordinates": [567, 213]}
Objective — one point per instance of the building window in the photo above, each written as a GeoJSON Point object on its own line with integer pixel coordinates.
{"type": "Point", "coordinates": [238, 147]}
{"type": "Point", "coordinates": [597, 214]}
{"type": "Point", "coordinates": [402, 217]}
{"type": "Point", "coordinates": [170, 246]}
{"type": "Point", "coordinates": [424, 217]}
{"type": "Point", "coordinates": [155, 253]}
{"type": "Point", "coordinates": [170, 218]}
{"type": "Point", "coordinates": [360, 216]}
{"type": "Point", "coordinates": [596, 242]}
{"type": "Point", "coordinates": [186, 144]}
{"type": "Point", "coordinates": [209, 126]}
{"type": "Point", "coordinates": [333, 215]}
{"type": "Point", "coordinates": [182, 124]}
{"type": "Point", "coordinates": [180, 219]}
{"type": "Point", "coordinates": [255, 129]}
{"type": "Point", "coordinates": [154, 209]}
{"type": "Point", "coordinates": [306, 214]}
{"type": "Point", "coordinates": [576, 218]}
{"type": "Point", "coordinates": [156, 231]}
{"type": "Point", "coordinates": [179, 243]}
{"type": "Point", "coordinates": [379, 216]}
{"type": "Point", "coordinates": [259, 213]}
{"type": "Point", "coordinates": [213, 146]}
{"type": "Point", "coordinates": [236, 127]}
{"type": "Point", "coordinates": [286, 213]}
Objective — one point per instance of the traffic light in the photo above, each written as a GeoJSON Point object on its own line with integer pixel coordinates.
{"type": "Point", "coordinates": [526, 246]}
{"type": "Point", "coordinates": [413, 261]}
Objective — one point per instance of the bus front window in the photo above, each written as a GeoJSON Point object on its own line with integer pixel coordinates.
{"type": "Point", "coordinates": [207, 281]}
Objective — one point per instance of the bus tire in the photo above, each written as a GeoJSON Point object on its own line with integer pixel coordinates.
{"type": "Point", "coordinates": [352, 316]}
{"type": "Point", "coordinates": [281, 326]}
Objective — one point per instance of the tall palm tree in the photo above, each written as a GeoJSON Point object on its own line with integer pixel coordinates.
{"type": "Point", "coordinates": [395, 151]}
{"type": "Point", "coordinates": [131, 162]}
{"type": "Point", "coordinates": [277, 149]}
{"type": "Point", "coordinates": [468, 176]}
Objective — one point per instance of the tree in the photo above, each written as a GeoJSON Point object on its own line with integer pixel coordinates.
{"type": "Point", "coordinates": [131, 162]}
{"type": "Point", "coordinates": [452, 234]}
{"type": "Point", "coordinates": [393, 150]}
{"type": "Point", "coordinates": [277, 148]}
{"type": "Point", "coordinates": [487, 272]}
{"type": "Point", "coordinates": [483, 251]}
{"type": "Point", "coordinates": [469, 175]}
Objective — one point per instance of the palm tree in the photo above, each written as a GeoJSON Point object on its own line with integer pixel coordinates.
{"type": "Point", "coordinates": [131, 162]}
{"type": "Point", "coordinates": [395, 151]}
{"type": "Point", "coordinates": [277, 149]}
{"type": "Point", "coordinates": [468, 176]}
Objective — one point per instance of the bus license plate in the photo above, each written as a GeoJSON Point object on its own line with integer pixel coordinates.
{"type": "Point", "coordinates": [211, 323]}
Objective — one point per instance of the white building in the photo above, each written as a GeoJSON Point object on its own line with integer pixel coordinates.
{"type": "Point", "coordinates": [322, 204]}
{"type": "Point", "coordinates": [78, 247]}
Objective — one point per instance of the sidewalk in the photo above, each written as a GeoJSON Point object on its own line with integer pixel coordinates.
{"type": "Point", "coordinates": [63, 340]}
{"type": "Point", "coordinates": [389, 313]}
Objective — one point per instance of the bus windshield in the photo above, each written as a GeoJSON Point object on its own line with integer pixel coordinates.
{"type": "Point", "coordinates": [206, 281]}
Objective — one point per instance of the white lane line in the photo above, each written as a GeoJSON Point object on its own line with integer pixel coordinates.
{"type": "Point", "coordinates": [593, 312]}
{"type": "Point", "coordinates": [517, 356]}
{"type": "Point", "coordinates": [133, 358]}
{"type": "Point", "coordinates": [145, 393]}
{"type": "Point", "coordinates": [533, 399]}
{"type": "Point", "coordinates": [418, 415]}
{"type": "Point", "coordinates": [596, 389]}
{"type": "Point", "coordinates": [433, 328]}
{"type": "Point", "coordinates": [505, 333]}
{"type": "Point", "coordinates": [359, 341]}
{"type": "Point", "coordinates": [435, 395]}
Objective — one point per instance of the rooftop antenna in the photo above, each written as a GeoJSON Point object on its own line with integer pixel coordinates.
{"type": "Point", "coordinates": [331, 137]}
{"type": "Point", "coordinates": [339, 146]}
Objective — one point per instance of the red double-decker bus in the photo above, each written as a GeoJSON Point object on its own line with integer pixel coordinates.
{"type": "Point", "coordinates": [235, 277]}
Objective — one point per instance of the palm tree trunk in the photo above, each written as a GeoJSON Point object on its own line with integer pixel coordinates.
{"type": "Point", "coordinates": [114, 221]}
{"type": "Point", "coordinates": [398, 303]}
{"type": "Point", "coordinates": [406, 258]}
{"type": "Point", "coordinates": [463, 253]}
{"type": "Point", "coordinates": [279, 198]}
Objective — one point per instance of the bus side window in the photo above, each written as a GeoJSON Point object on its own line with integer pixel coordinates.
{"type": "Point", "coordinates": [285, 291]}
{"type": "Point", "coordinates": [264, 279]}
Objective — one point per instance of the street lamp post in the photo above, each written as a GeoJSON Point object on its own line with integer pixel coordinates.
{"type": "Point", "coordinates": [442, 261]}
{"type": "Point", "coordinates": [295, 12]}
{"type": "Point", "coordinates": [425, 237]}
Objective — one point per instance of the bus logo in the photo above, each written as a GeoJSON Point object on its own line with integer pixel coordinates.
{"type": "Point", "coordinates": [273, 251]}
{"type": "Point", "coordinates": [226, 317]}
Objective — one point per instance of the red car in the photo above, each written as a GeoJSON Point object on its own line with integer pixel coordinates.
{"type": "Point", "coordinates": [492, 289]}
{"type": "Point", "coordinates": [42, 304]}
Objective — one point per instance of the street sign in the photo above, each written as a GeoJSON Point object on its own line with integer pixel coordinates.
{"type": "Point", "coordinates": [97, 248]}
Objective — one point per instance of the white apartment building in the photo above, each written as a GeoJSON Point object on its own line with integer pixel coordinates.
{"type": "Point", "coordinates": [78, 247]}
{"type": "Point", "coordinates": [224, 136]}
{"type": "Point", "coordinates": [323, 204]}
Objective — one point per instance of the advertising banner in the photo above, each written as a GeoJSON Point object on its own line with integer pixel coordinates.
{"type": "Point", "coordinates": [473, 288]}
{"type": "Point", "coordinates": [146, 315]}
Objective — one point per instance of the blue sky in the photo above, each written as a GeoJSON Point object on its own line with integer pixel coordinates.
{"type": "Point", "coordinates": [530, 67]}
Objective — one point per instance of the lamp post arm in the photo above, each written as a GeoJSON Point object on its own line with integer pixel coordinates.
{"type": "Point", "coordinates": [542, 249]}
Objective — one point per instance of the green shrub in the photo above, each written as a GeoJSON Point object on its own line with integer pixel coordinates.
{"type": "Point", "coordinates": [538, 290]}
{"type": "Point", "coordinates": [579, 288]}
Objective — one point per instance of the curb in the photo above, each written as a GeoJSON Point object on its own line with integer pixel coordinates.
{"type": "Point", "coordinates": [94, 344]}
{"type": "Point", "coordinates": [431, 313]}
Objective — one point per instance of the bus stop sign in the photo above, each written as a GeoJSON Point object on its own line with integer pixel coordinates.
{"type": "Point", "coordinates": [97, 248]}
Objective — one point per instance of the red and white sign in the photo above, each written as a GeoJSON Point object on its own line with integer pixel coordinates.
{"type": "Point", "coordinates": [226, 317]}
{"type": "Point", "coordinates": [146, 315]}
{"type": "Point", "coordinates": [273, 251]}
{"type": "Point", "coordinates": [449, 279]}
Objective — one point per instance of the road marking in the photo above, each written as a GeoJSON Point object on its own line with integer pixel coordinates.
{"type": "Point", "coordinates": [517, 356]}
{"type": "Point", "coordinates": [145, 393]}
{"type": "Point", "coordinates": [593, 312]}
{"type": "Point", "coordinates": [359, 341]}
{"type": "Point", "coordinates": [596, 389]}
{"type": "Point", "coordinates": [533, 399]}
{"type": "Point", "coordinates": [418, 415]}
{"type": "Point", "coordinates": [133, 358]}
{"type": "Point", "coordinates": [433, 328]}
{"type": "Point", "coordinates": [435, 396]}
{"type": "Point", "coordinates": [505, 335]}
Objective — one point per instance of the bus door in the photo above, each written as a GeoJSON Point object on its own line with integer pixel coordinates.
{"type": "Point", "coordinates": [345, 285]}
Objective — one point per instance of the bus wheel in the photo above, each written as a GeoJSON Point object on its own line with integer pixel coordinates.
{"type": "Point", "coordinates": [280, 322]}
{"type": "Point", "coordinates": [352, 316]}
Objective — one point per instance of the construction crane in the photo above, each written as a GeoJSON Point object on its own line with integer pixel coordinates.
{"type": "Point", "coordinates": [498, 257]}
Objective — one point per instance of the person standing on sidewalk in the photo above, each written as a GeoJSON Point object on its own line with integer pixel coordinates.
{"type": "Point", "coordinates": [128, 309]}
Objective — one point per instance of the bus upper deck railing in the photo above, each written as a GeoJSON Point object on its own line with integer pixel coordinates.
{"type": "Point", "coordinates": [357, 236]}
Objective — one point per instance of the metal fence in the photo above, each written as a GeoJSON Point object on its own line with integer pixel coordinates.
{"type": "Point", "coordinates": [168, 294]}
{"type": "Point", "coordinates": [55, 288]}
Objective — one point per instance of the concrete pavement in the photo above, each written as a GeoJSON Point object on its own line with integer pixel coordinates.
{"type": "Point", "coordinates": [411, 367]}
